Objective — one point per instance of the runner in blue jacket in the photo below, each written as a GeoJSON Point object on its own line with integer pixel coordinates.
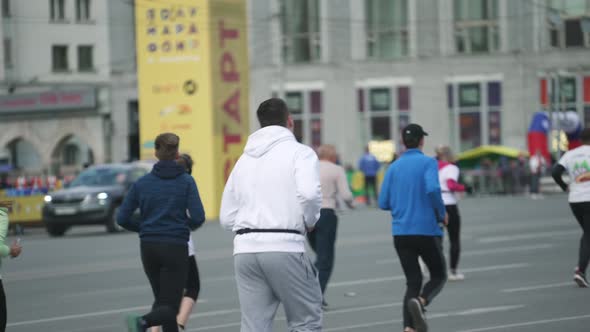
{"type": "Point", "coordinates": [411, 191]}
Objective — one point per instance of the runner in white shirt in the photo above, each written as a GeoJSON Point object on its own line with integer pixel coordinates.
{"type": "Point", "coordinates": [193, 283]}
{"type": "Point", "coordinates": [448, 175]}
{"type": "Point", "coordinates": [577, 164]}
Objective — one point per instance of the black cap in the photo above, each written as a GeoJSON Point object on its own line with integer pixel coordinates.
{"type": "Point", "coordinates": [413, 131]}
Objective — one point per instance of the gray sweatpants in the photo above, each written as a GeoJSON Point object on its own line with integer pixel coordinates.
{"type": "Point", "coordinates": [267, 279]}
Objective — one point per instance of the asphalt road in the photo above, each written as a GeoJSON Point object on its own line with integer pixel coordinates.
{"type": "Point", "coordinates": [518, 258]}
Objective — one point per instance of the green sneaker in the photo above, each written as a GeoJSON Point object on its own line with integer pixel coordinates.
{"type": "Point", "coordinates": [134, 324]}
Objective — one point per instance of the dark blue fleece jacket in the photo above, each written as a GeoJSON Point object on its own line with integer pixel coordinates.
{"type": "Point", "coordinates": [163, 198]}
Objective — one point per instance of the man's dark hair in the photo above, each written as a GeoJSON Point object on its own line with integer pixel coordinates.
{"type": "Point", "coordinates": [585, 136]}
{"type": "Point", "coordinates": [167, 146]}
{"type": "Point", "coordinates": [273, 112]}
{"type": "Point", "coordinates": [412, 143]}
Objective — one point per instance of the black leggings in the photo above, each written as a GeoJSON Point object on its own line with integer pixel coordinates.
{"type": "Point", "coordinates": [409, 248]}
{"type": "Point", "coordinates": [454, 230]}
{"type": "Point", "coordinates": [582, 213]}
{"type": "Point", "coordinates": [2, 308]}
{"type": "Point", "coordinates": [165, 265]}
{"type": "Point", "coordinates": [193, 283]}
{"type": "Point", "coordinates": [322, 241]}
{"type": "Point", "coordinates": [371, 184]}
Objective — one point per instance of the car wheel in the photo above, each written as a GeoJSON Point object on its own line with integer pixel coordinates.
{"type": "Point", "coordinates": [56, 230]}
{"type": "Point", "coordinates": [112, 226]}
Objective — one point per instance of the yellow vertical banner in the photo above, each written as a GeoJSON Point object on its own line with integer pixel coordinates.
{"type": "Point", "coordinates": [192, 56]}
{"type": "Point", "coordinates": [229, 58]}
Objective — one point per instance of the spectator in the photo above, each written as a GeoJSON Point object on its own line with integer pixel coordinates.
{"type": "Point", "coordinates": [369, 166]}
{"type": "Point", "coordinates": [537, 166]}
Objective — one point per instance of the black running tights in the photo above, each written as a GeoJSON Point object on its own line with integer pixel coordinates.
{"type": "Point", "coordinates": [454, 229]}
{"type": "Point", "coordinates": [582, 213]}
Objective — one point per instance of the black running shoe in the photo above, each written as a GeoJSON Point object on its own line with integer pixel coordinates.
{"type": "Point", "coordinates": [580, 279]}
{"type": "Point", "coordinates": [417, 313]}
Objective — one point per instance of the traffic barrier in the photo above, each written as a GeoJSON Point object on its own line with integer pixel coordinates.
{"type": "Point", "coordinates": [27, 205]}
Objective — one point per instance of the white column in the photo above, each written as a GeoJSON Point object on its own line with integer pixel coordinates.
{"type": "Point", "coordinates": [358, 30]}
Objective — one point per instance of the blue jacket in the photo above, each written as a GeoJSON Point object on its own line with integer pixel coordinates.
{"type": "Point", "coordinates": [163, 198]}
{"type": "Point", "coordinates": [369, 165]}
{"type": "Point", "coordinates": [411, 191]}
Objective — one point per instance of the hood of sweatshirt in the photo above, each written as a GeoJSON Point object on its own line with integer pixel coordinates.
{"type": "Point", "coordinates": [167, 169]}
{"type": "Point", "coordinates": [264, 139]}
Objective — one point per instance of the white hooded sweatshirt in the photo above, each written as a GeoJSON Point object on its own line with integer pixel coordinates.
{"type": "Point", "coordinates": [274, 185]}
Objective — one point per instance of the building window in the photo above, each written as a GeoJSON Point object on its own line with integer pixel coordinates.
{"type": "Point", "coordinates": [57, 10]}
{"type": "Point", "coordinates": [300, 26]}
{"type": "Point", "coordinates": [82, 10]}
{"type": "Point", "coordinates": [6, 8]}
{"type": "Point", "coordinates": [71, 154]}
{"type": "Point", "coordinates": [388, 112]}
{"type": "Point", "coordinates": [59, 56]}
{"type": "Point", "coordinates": [476, 26]}
{"type": "Point", "coordinates": [566, 93]}
{"type": "Point", "coordinates": [476, 117]}
{"type": "Point", "coordinates": [569, 23]}
{"type": "Point", "coordinates": [306, 110]}
{"type": "Point", "coordinates": [7, 53]}
{"type": "Point", "coordinates": [387, 28]}
{"type": "Point", "coordinates": [85, 58]}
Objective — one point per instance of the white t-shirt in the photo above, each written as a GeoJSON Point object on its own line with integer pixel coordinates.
{"type": "Point", "coordinates": [191, 246]}
{"type": "Point", "coordinates": [577, 164]}
{"type": "Point", "coordinates": [449, 172]}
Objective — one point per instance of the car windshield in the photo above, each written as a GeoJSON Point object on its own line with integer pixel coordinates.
{"type": "Point", "coordinates": [96, 177]}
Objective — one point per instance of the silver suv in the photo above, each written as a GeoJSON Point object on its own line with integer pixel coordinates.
{"type": "Point", "coordinates": [92, 198]}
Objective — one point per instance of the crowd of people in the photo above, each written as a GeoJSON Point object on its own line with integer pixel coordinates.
{"type": "Point", "coordinates": [25, 185]}
{"type": "Point", "coordinates": [509, 176]}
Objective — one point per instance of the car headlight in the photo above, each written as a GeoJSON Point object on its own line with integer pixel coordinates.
{"type": "Point", "coordinates": [99, 198]}
{"type": "Point", "coordinates": [47, 199]}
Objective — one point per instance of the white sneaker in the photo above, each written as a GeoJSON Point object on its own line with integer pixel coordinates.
{"type": "Point", "coordinates": [456, 276]}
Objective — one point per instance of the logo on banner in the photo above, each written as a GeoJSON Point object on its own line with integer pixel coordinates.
{"type": "Point", "coordinates": [172, 31]}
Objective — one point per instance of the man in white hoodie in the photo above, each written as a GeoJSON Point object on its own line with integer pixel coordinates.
{"type": "Point", "coordinates": [271, 200]}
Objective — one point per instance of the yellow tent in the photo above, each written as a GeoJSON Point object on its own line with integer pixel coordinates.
{"type": "Point", "coordinates": [471, 157]}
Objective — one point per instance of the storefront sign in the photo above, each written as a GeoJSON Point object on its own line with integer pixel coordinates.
{"type": "Point", "coordinates": [48, 101]}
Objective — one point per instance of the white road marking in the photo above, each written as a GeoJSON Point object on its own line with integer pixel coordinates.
{"type": "Point", "coordinates": [402, 277]}
{"type": "Point", "coordinates": [527, 236]}
{"type": "Point", "coordinates": [484, 252]}
{"type": "Point", "coordinates": [113, 312]}
{"type": "Point", "coordinates": [469, 312]}
{"type": "Point", "coordinates": [78, 316]}
{"type": "Point", "coordinates": [530, 288]}
{"type": "Point", "coordinates": [529, 323]}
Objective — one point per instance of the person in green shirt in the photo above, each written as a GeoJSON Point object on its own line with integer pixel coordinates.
{"type": "Point", "coordinates": [13, 251]}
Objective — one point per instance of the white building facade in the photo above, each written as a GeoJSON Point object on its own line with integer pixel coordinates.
{"type": "Point", "coordinates": [65, 94]}
{"type": "Point", "coordinates": [472, 72]}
